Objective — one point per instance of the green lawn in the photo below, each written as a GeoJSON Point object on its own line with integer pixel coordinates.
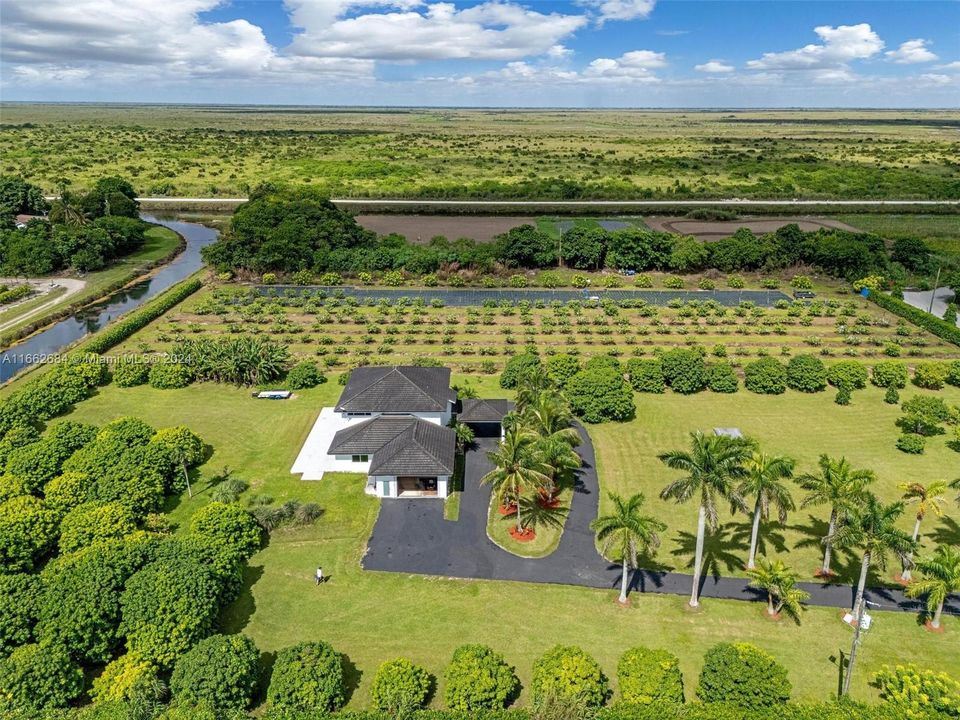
{"type": "Point", "coordinates": [548, 524]}
{"type": "Point", "coordinates": [160, 242]}
{"type": "Point", "coordinates": [799, 425]}
{"type": "Point", "coordinates": [372, 617]}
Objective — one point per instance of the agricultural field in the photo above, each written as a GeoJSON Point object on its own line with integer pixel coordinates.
{"type": "Point", "coordinates": [341, 333]}
{"type": "Point", "coordinates": [489, 154]}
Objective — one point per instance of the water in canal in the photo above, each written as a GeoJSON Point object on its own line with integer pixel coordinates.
{"type": "Point", "coordinates": [91, 319]}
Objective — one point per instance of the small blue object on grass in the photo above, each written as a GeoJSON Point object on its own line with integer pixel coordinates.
{"type": "Point", "coordinates": [865, 292]}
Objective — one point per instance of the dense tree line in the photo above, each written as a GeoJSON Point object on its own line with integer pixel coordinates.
{"type": "Point", "coordinates": [293, 230]}
{"type": "Point", "coordinates": [83, 232]}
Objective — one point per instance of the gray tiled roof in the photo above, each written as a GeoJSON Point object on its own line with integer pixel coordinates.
{"type": "Point", "coordinates": [474, 410]}
{"type": "Point", "coordinates": [399, 445]}
{"type": "Point", "coordinates": [397, 389]}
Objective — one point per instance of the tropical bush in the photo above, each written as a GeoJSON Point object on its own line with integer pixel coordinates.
{"type": "Point", "coordinates": [889, 373]}
{"type": "Point", "coordinates": [918, 693]}
{"type": "Point", "coordinates": [646, 375]}
{"type": "Point", "coordinates": [649, 676]}
{"type": "Point", "coordinates": [220, 671]}
{"type": "Point", "coordinates": [722, 378]}
{"type": "Point", "coordinates": [36, 677]}
{"type": "Point", "coordinates": [806, 373]}
{"type": "Point", "coordinates": [597, 395]}
{"type": "Point", "coordinates": [684, 370]}
{"type": "Point", "coordinates": [848, 374]}
{"type": "Point", "coordinates": [244, 360]}
{"type": "Point", "coordinates": [93, 522]}
{"type": "Point", "coordinates": [743, 674]}
{"type": "Point", "coordinates": [567, 674]}
{"type": "Point", "coordinates": [931, 375]}
{"type": "Point", "coordinates": [169, 375]}
{"type": "Point", "coordinates": [911, 444]}
{"type": "Point", "coordinates": [304, 375]}
{"type": "Point", "coordinates": [130, 372]}
{"type": "Point", "coordinates": [562, 367]}
{"type": "Point", "coordinates": [766, 376]}
{"type": "Point", "coordinates": [399, 687]}
{"type": "Point", "coordinates": [478, 678]}
{"type": "Point", "coordinates": [307, 676]}
{"type": "Point", "coordinates": [229, 525]}
{"type": "Point", "coordinates": [128, 679]}
{"type": "Point", "coordinates": [518, 368]}
{"type": "Point", "coordinates": [20, 595]}
{"type": "Point", "coordinates": [28, 529]}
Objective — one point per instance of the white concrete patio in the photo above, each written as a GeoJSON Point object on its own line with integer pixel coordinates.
{"type": "Point", "coordinates": [313, 461]}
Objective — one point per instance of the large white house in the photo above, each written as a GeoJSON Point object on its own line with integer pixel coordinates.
{"type": "Point", "coordinates": [391, 423]}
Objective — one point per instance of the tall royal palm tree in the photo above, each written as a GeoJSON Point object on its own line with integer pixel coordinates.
{"type": "Point", "coordinates": [517, 469]}
{"type": "Point", "coordinates": [928, 499]}
{"type": "Point", "coordinates": [841, 487]}
{"type": "Point", "coordinates": [765, 474]}
{"type": "Point", "coordinates": [624, 532]}
{"type": "Point", "coordinates": [534, 382]}
{"type": "Point", "coordinates": [941, 576]}
{"type": "Point", "coordinates": [779, 582]}
{"type": "Point", "coordinates": [713, 465]}
{"type": "Point", "coordinates": [871, 529]}
{"type": "Point", "coordinates": [548, 414]}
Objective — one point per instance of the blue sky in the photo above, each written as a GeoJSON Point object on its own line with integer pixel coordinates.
{"type": "Point", "coordinates": [607, 53]}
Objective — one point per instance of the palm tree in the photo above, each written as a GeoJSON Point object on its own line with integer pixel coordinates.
{"type": "Point", "coordinates": [956, 486]}
{"type": "Point", "coordinates": [712, 466]}
{"type": "Point", "coordinates": [841, 487]}
{"type": "Point", "coordinates": [780, 583]}
{"type": "Point", "coordinates": [548, 414]}
{"type": "Point", "coordinates": [558, 456]}
{"type": "Point", "coordinates": [941, 576]}
{"type": "Point", "coordinates": [465, 435]}
{"type": "Point", "coordinates": [517, 469]}
{"type": "Point", "coordinates": [928, 498]}
{"type": "Point", "coordinates": [624, 531]}
{"type": "Point", "coordinates": [534, 382]}
{"type": "Point", "coordinates": [872, 529]}
{"type": "Point", "coordinates": [763, 481]}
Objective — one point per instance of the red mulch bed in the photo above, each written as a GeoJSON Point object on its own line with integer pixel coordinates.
{"type": "Point", "coordinates": [930, 628]}
{"type": "Point", "coordinates": [523, 536]}
{"type": "Point", "coordinates": [550, 504]}
{"type": "Point", "coordinates": [507, 510]}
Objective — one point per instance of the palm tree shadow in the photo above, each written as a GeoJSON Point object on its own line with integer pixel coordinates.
{"type": "Point", "coordinates": [769, 539]}
{"type": "Point", "coordinates": [946, 532]}
{"type": "Point", "coordinates": [536, 515]}
{"type": "Point", "coordinates": [845, 563]}
{"type": "Point", "coordinates": [720, 550]}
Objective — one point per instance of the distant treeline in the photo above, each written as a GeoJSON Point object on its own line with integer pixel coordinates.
{"type": "Point", "coordinates": [292, 229]}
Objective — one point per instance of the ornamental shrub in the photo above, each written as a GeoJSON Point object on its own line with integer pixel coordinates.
{"type": "Point", "coordinates": [517, 369]}
{"type": "Point", "coordinates": [603, 363]}
{"type": "Point", "coordinates": [169, 375]}
{"type": "Point", "coordinates": [684, 370]}
{"type": "Point", "coordinates": [305, 375]}
{"type": "Point", "coordinates": [95, 521]}
{"type": "Point", "coordinates": [28, 529]}
{"type": "Point", "coordinates": [167, 607]}
{"type": "Point", "coordinates": [924, 415]}
{"type": "Point", "coordinates": [478, 678]}
{"type": "Point", "coordinates": [643, 281]}
{"type": "Point", "coordinates": [806, 373]}
{"type": "Point", "coordinates": [673, 282]}
{"type": "Point", "coordinates": [722, 378]}
{"type": "Point", "coordinates": [20, 595]}
{"type": "Point", "coordinates": [953, 373]}
{"type": "Point", "coordinates": [889, 373]}
{"type": "Point", "coordinates": [707, 284]}
{"type": "Point", "coordinates": [743, 674]}
{"type": "Point", "coordinates": [220, 671]}
{"type": "Point", "coordinates": [911, 444]}
{"type": "Point", "coordinates": [38, 677]}
{"type": "Point", "coordinates": [599, 395]}
{"type": "Point", "coordinates": [307, 676]}
{"type": "Point", "coordinates": [843, 396]}
{"type": "Point", "coordinates": [931, 375]}
{"type": "Point", "coordinates": [130, 372]}
{"type": "Point", "coordinates": [848, 374]}
{"type": "Point", "coordinates": [646, 375]}
{"type": "Point", "coordinates": [649, 676]}
{"type": "Point", "coordinates": [801, 282]}
{"type": "Point", "coordinates": [579, 281]}
{"type": "Point", "coordinates": [129, 678]}
{"type": "Point", "coordinates": [891, 396]}
{"type": "Point", "coordinates": [568, 674]}
{"type": "Point", "coordinates": [918, 693]}
{"type": "Point", "coordinates": [562, 367]}
{"type": "Point", "coordinates": [549, 280]}
{"type": "Point", "coordinates": [766, 376]}
{"type": "Point", "coordinates": [393, 278]}
{"type": "Point", "coordinates": [400, 687]}
{"type": "Point", "coordinates": [229, 525]}
{"type": "Point", "coordinates": [736, 282]}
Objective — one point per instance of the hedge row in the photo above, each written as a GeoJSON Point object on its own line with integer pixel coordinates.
{"type": "Point", "coordinates": [15, 293]}
{"type": "Point", "coordinates": [118, 332]}
{"type": "Point", "coordinates": [931, 323]}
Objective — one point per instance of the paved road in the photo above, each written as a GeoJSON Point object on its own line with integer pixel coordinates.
{"type": "Point", "coordinates": [411, 536]}
{"type": "Point", "coordinates": [736, 202]}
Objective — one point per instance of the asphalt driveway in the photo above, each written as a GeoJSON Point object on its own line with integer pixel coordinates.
{"type": "Point", "coordinates": [411, 536]}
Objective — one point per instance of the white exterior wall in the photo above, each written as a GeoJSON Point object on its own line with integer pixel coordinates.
{"type": "Point", "coordinates": [437, 418]}
{"type": "Point", "coordinates": [443, 482]}
{"type": "Point", "coordinates": [386, 485]}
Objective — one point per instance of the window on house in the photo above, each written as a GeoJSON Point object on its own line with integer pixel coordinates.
{"type": "Point", "coordinates": [359, 458]}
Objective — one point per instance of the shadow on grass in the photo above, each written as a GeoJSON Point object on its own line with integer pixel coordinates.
{"type": "Point", "coordinates": [844, 563]}
{"type": "Point", "coordinates": [267, 660]}
{"type": "Point", "coordinates": [721, 551]}
{"type": "Point", "coordinates": [946, 532]}
{"type": "Point", "coordinates": [238, 613]}
{"type": "Point", "coordinates": [351, 677]}
{"type": "Point", "coordinates": [770, 541]}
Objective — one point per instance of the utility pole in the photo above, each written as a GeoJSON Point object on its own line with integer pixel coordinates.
{"type": "Point", "coordinates": [936, 284]}
{"type": "Point", "coordinates": [857, 639]}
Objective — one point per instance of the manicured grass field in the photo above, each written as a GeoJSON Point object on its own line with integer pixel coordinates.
{"type": "Point", "coordinates": [372, 617]}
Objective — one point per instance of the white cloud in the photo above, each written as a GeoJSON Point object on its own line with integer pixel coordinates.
{"type": "Point", "coordinates": [955, 65]}
{"type": "Point", "coordinates": [672, 33]}
{"type": "Point", "coordinates": [636, 66]}
{"type": "Point", "coordinates": [714, 67]}
{"type": "Point", "coordinates": [621, 9]}
{"type": "Point", "coordinates": [558, 52]}
{"type": "Point", "coordinates": [912, 51]}
{"type": "Point", "coordinates": [434, 31]}
{"type": "Point", "coordinates": [840, 45]}
{"type": "Point", "coordinates": [937, 79]}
